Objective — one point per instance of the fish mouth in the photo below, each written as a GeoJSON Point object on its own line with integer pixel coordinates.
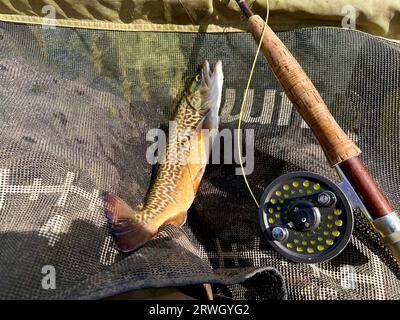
{"type": "Point", "coordinates": [210, 76]}
{"type": "Point", "coordinates": [213, 80]}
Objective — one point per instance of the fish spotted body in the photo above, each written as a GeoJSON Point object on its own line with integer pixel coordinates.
{"type": "Point", "coordinates": [178, 178]}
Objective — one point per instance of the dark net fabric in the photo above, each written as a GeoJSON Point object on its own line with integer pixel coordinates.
{"type": "Point", "coordinates": [75, 109]}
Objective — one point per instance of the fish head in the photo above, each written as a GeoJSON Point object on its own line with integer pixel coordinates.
{"type": "Point", "coordinates": [205, 90]}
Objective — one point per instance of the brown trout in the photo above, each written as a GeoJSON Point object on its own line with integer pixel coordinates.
{"type": "Point", "coordinates": [179, 175]}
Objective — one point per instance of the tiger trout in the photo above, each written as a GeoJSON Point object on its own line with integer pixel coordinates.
{"type": "Point", "coordinates": [178, 177]}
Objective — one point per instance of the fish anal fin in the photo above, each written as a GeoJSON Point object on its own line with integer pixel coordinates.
{"type": "Point", "coordinates": [128, 231]}
{"type": "Point", "coordinates": [178, 220]}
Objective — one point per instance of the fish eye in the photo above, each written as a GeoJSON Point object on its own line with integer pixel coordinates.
{"type": "Point", "coordinates": [196, 82]}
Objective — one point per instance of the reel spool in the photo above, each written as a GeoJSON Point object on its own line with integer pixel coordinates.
{"type": "Point", "coordinates": [306, 217]}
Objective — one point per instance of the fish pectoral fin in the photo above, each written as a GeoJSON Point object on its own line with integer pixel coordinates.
{"type": "Point", "coordinates": [211, 121]}
{"type": "Point", "coordinates": [201, 123]}
{"type": "Point", "coordinates": [128, 232]}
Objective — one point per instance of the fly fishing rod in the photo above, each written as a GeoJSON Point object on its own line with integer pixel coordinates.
{"type": "Point", "coordinates": [305, 216]}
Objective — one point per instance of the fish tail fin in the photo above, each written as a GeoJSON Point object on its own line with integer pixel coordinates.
{"type": "Point", "coordinates": [129, 233]}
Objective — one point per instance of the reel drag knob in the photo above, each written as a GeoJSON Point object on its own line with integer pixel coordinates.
{"type": "Point", "coordinates": [306, 217]}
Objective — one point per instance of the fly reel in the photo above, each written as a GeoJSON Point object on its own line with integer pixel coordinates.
{"type": "Point", "coordinates": [306, 217]}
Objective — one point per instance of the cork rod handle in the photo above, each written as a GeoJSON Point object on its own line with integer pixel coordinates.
{"type": "Point", "coordinates": [305, 97]}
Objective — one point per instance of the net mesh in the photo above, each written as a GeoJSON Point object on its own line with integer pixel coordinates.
{"type": "Point", "coordinates": [75, 108]}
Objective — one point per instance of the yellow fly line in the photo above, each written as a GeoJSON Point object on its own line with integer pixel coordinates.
{"type": "Point", "coordinates": [243, 105]}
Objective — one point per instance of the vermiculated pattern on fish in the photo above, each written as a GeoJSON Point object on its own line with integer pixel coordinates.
{"type": "Point", "coordinates": [184, 160]}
